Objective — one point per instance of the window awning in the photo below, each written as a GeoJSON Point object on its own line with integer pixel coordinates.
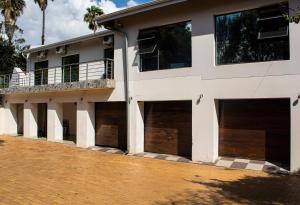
{"type": "Point", "coordinates": [148, 50]}
{"type": "Point", "coordinates": [147, 35]}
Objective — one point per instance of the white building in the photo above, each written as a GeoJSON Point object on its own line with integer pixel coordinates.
{"type": "Point", "coordinates": [199, 79]}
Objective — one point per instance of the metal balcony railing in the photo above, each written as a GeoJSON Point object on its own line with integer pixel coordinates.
{"type": "Point", "coordinates": [92, 70]}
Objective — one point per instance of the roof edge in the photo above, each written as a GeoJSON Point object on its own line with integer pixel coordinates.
{"type": "Point", "coordinates": [69, 41]}
{"type": "Point", "coordinates": [137, 9]}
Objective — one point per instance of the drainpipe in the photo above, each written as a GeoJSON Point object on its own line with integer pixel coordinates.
{"type": "Point", "coordinates": [127, 90]}
{"type": "Point", "coordinates": [128, 98]}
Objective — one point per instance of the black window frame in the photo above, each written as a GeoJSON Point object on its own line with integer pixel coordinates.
{"type": "Point", "coordinates": [152, 49]}
{"type": "Point", "coordinates": [109, 56]}
{"type": "Point", "coordinates": [42, 72]}
{"type": "Point", "coordinates": [73, 66]}
{"type": "Point", "coordinates": [248, 10]}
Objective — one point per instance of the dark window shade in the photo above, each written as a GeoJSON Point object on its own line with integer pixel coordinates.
{"type": "Point", "coordinates": [253, 36]}
{"type": "Point", "coordinates": [165, 47]}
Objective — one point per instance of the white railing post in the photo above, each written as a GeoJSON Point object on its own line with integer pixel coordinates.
{"type": "Point", "coordinates": [70, 80]}
{"type": "Point", "coordinates": [42, 77]}
{"type": "Point", "coordinates": [87, 71]}
{"type": "Point", "coordinates": [106, 68]}
{"type": "Point", "coordinates": [54, 75]}
{"type": "Point", "coordinates": [112, 70]}
{"type": "Point", "coordinates": [29, 74]}
{"type": "Point", "coordinates": [63, 74]}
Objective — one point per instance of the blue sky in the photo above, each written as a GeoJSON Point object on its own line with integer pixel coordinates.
{"type": "Point", "coordinates": [61, 25]}
{"type": "Point", "coordinates": [122, 3]}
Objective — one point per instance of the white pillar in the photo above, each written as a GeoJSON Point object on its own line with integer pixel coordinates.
{"type": "Point", "coordinates": [85, 124]}
{"type": "Point", "coordinates": [2, 120]}
{"type": "Point", "coordinates": [295, 137]}
{"type": "Point", "coordinates": [205, 130]}
{"type": "Point", "coordinates": [30, 120]}
{"type": "Point", "coordinates": [55, 121]}
{"type": "Point", "coordinates": [11, 126]}
{"type": "Point", "coordinates": [140, 128]}
{"type": "Point", "coordinates": [135, 139]}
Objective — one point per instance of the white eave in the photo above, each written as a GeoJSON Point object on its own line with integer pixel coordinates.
{"type": "Point", "coordinates": [137, 9]}
{"type": "Point", "coordinates": [68, 41]}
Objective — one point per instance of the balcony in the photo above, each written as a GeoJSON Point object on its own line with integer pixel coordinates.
{"type": "Point", "coordinates": [82, 76]}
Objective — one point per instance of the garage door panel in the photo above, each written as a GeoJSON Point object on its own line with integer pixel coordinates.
{"type": "Point", "coordinates": [162, 141]}
{"type": "Point", "coordinates": [111, 126]}
{"type": "Point", "coordinates": [255, 129]}
{"type": "Point", "coordinates": [108, 135]}
{"type": "Point", "coordinates": [250, 136]}
{"type": "Point", "coordinates": [249, 153]}
{"type": "Point", "coordinates": [168, 127]}
{"type": "Point", "coordinates": [252, 141]}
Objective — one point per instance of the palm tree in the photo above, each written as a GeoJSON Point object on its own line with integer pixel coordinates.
{"type": "Point", "coordinates": [90, 16]}
{"type": "Point", "coordinates": [43, 5]}
{"type": "Point", "coordinates": [11, 10]}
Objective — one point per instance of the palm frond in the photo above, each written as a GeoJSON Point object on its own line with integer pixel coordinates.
{"type": "Point", "coordinates": [90, 17]}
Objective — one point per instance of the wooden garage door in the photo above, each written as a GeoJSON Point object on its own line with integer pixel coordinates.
{"type": "Point", "coordinates": [255, 129]}
{"type": "Point", "coordinates": [168, 127]}
{"type": "Point", "coordinates": [111, 126]}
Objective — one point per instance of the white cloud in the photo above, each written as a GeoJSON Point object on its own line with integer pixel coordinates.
{"type": "Point", "coordinates": [108, 6]}
{"type": "Point", "coordinates": [64, 19]}
{"type": "Point", "coordinates": [132, 3]}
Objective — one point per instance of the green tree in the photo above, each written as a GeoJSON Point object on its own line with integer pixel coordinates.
{"type": "Point", "coordinates": [295, 18]}
{"type": "Point", "coordinates": [11, 10]}
{"type": "Point", "coordinates": [90, 16]}
{"type": "Point", "coordinates": [43, 6]}
{"type": "Point", "coordinates": [11, 55]}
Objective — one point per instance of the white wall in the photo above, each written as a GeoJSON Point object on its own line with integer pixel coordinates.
{"type": "Point", "coordinates": [69, 114]}
{"type": "Point", "coordinates": [85, 124]}
{"type": "Point", "coordinates": [30, 120]}
{"type": "Point", "coordinates": [55, 121]}
{"type": "Point", "coordinates": [11, 127]}
{"type": "Point", "coordinates": [2, 120]}
{"type": "Point", "coordinates": [276, 79]}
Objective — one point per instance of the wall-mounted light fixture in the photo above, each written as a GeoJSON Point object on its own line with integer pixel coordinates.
{"type": "Point", "coordinates": [199, 99]}
{"type": "Point", "coordinates": [295, 103]}
{"type": "Point", "coordinates": [130, 99]}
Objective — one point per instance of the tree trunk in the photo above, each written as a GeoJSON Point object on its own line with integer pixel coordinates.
{"type": "Point", "coordinates": [43, 29]}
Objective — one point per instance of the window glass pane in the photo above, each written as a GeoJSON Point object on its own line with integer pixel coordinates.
{"type": "Point", "coordinates": [175, 46]}
{"type": "Point", "coordinates": [165, 47]}
{"type": "Point", "coordinates": [149, 61]}
{"type": "Point", "coordinates": [108, 56]}
{"type": "Point", "coordinates": [41, 73]}
{"type": "Point", "coordinates": [272, 50]}
{"type": "Point", "coordinates": [70, 68]}
{"type": "Point", "coordinates": [74, 59]}
{"type": "Point", "coordinates": [251, 36]}
{"type": "Point", "coordinates": [236, 37]}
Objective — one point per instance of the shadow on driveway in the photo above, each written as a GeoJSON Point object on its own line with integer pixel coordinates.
{"type": "Point", "coordinates": [2, 142]}
{"type": "Point", "coordinates": [249, 190]}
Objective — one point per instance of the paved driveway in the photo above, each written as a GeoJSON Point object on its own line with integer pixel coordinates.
{"type": "Point", "coordinates": [39, 172]}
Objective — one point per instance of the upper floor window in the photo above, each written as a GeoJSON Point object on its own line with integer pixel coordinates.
{"type": "Point", "coordinates": [165, 47]}
{"type": "Point", "coordinates": [70, 68]}
{"type": "Point", "coordinates": [253, 36]}
{"type": "Point", "coordinates": [41, 73]}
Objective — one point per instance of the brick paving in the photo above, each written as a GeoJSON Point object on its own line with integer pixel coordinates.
{"type": "Point", "coordinates": [40, 172]}
{"type": "Point", "coordinates": [226, 162]}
